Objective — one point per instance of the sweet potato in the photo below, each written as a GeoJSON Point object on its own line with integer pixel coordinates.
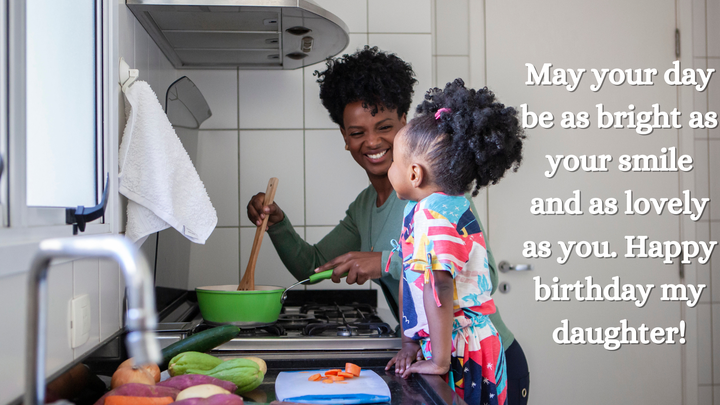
{"type": "Point", "coordinates": [182, 382]}
{"type": "Point", "coordinates": [219, 399]}
{"type": "Point", "coordinates": [201, 391]}
{"type": "Point", "coordinates": [140, 390]}
{"type": "Point", "coordinates": [120, 400]}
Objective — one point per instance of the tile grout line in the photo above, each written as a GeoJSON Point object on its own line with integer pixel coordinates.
{"type": "Point", "coordinates": [467, 50]}
{"type": "Point", "coordinates": [237, 97]}
{"type": "Point", "coordinates": [262, 129]}
{"type": "Point", "coordinates": [304, 159]}
{"type": "Point", "coordinates": [401, 33]}
{"type": "Point", "coordinates": [294, 226]}
{"type": "Point", "coordinates": [367, 19]}
{"type": "Point", "coordinates": [434, 39]}
{"type": "Point", "coordinates": [485, 69]}
{"type": "Point", "coordinates": [304, 169]}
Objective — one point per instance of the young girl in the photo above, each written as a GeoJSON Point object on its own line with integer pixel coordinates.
{"type": "Point", "coordinates": [459, 137]}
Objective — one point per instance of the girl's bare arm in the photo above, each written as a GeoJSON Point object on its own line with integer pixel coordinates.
{"type": "Point", "coordinates": [410, 351]}
{"type": "Point", "coordinates": [440, 321]}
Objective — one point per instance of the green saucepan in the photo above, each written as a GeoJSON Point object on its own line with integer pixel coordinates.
{"type": "Point", "coordinates": [223, 304]}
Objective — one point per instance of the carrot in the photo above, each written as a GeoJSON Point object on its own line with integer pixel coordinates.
{"type": "Point", "coordinates": [334, 371]}
{"type": "Point", "coordinates": [340, 382]}
{"type": "Point", "coordinates": [123, 400]}
{"type": "Point", "coordinates": [314, 377]}
{"type": "Point", "coordinates": [352, 369]}
{"type": "Point", "coordinates": [346, 375]}
{"type": "Point", "coordinates": [327, 381]}
{"type": "Point", "coordinates": [336, 378]}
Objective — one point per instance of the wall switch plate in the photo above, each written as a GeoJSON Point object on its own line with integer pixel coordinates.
{"type": "Point", "coordinates": [80, 324]}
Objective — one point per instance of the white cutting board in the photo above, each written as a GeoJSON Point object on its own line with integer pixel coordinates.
{"type": "Point", "coordinates": [293, 386]}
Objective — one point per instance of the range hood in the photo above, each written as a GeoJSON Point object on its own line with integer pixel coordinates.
{"type": "Point", "coordinates": [245, 34]}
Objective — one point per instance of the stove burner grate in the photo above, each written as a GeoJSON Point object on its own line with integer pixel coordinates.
{"type": "Point", "coordinates": [272, 330]}
{"type": "Point", "coordinates": [349, 329]}
{"type": "Point", "coordinates": [296, 321]}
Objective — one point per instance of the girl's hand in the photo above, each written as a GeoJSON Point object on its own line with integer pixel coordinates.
{"type": "Point", "coordinates": [409, 353]}
{"type": "Point", "coordinates": [425, 367]}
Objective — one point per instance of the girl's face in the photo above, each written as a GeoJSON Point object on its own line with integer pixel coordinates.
{"type": "Point", "coordinates": [400, 171]}
{"type": "Point", "coordinates": [370, 138]}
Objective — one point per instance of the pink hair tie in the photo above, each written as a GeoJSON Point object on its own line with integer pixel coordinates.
{"type": "Point", "coordinates": [439, 112]}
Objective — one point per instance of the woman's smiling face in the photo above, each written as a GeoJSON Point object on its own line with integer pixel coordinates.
{"type": "Point", "coordinates": [370, 138]}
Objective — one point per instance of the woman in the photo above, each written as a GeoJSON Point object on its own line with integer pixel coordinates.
{"type": "Point", "coordinates": [368, 95]}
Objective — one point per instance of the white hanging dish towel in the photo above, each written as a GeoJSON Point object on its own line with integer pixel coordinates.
{"type": "Point", "coordinates": [157, 175]}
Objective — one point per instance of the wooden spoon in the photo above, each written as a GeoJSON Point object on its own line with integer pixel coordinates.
{"type": "Point", "coordinates": [248, 280]}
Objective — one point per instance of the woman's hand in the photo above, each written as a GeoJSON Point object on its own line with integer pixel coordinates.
{"type": "Point", "coordinates": [425, 367]}
{"type": "Point", "coordinates": [256, 212]}
{"type": "Point", "coordinates": [360, 266]}
{"type": "Point", "coordinates": [409, 353]}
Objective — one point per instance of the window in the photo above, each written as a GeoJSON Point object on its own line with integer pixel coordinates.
{"type": "Point", "coordinates": [60, 103]}
{"type": "Point", "coordinates": [58, 108]}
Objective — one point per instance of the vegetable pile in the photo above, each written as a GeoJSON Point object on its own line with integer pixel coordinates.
{"type": "Point", "coordinates": [337, 375]}
{"type": "Point", "coordinates": [246, 373]}
{"type": "Point", "coordinates": [197, 378]}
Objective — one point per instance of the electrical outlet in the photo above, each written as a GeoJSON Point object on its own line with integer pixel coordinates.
{"type": "Point", "coordinates": [80, 324]}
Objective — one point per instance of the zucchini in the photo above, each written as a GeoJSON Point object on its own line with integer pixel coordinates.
{"type": "Point", "coordinates": [199, 342]}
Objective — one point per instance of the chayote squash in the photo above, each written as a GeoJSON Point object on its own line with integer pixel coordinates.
{"type": "Point", "coordinates": [180, 364]}
{"type": "Point", "coordinates": [244, 373]}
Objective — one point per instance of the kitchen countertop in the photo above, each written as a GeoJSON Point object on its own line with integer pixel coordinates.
{"type": "Point", "coordinates": [418, 389]}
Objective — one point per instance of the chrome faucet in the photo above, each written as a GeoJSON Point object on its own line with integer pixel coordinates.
{"type": "Point", "coordinates": [141, 319]}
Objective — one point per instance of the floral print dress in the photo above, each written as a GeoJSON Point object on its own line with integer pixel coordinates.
{"type": "Point", "coordinates": [440, 232]}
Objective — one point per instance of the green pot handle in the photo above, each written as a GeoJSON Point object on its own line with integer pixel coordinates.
{"type": "Point", "coordinates": [324, 275]}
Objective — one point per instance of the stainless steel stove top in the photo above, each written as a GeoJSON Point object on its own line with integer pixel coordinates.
{"type": "Point", "coordinates": [325, 325]}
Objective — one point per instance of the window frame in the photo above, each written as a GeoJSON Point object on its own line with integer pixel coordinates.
{"type": "Point", "coordinates": [21, 215]}
{"type": "Point", "coordinates": [3, 116]}
{"type": "Point", "coordinates": [24, 227]}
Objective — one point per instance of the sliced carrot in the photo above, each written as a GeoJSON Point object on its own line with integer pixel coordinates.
{"type": "Point", "coordinates": [327, 381]}
{"type": "Point", "coordinates": [314, 377]}
{"type": "Point", "coordinates": [303, 371]}
{"type": "Point", "coordinates": [123, 400]}
{"type": "Point", "coordinates": [340, 382]}
{"type": "Point", "coordinates": [346, 375]}
{"type": "Point", "coordinates": [336, 378]}
{"type": "Point", "coordinates": [334, 371]}
{"type": "Point", "coordinates": [352, 369]}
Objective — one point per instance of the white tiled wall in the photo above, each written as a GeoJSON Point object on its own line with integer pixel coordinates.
{"type": "Point", "coordinates": [217, 160]}
{"type": "Point", "coordinates": [316, 116]}
{"type": "Point", "coordinates": [272, 123]}
{"type": "Point", "coordinates": [706, 54]}
{"type": "Point", "coordinates": [282, 130]}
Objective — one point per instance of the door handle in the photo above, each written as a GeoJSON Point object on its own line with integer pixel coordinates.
{"type": "Point", "coordinates": [506, 267]}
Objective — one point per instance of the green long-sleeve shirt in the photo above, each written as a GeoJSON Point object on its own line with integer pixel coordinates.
{"type": "Point", "coordinates": [365, 228]}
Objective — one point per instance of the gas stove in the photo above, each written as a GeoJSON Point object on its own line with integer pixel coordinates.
{"type": "Point", "coordinates": [311, 320]}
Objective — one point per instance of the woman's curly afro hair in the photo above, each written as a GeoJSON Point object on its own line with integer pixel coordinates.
{"type": "Point", "coordinates": [475, 141]}
{"type": "Point", "coordinates": [378, 79]}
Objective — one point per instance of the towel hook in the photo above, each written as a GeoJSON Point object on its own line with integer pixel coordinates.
{"type": "Point", "coordinates": [127, 75]}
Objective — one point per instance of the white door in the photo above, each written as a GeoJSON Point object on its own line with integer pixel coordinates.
{"type": "Point", "coordinates": [585, 35]}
